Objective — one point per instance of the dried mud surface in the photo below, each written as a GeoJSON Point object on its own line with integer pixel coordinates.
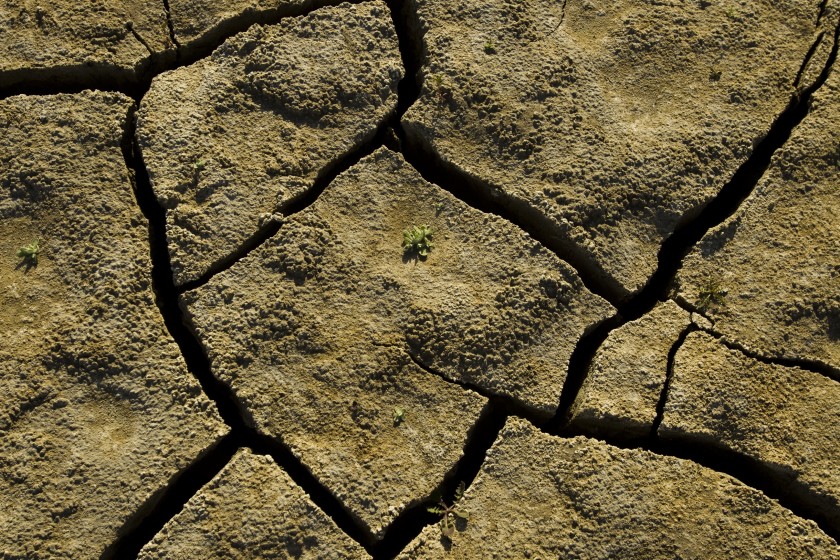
{"type": "Point", "coordinates": [419, 279]}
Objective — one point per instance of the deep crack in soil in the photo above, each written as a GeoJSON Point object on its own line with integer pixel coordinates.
{"type": "Point", "coordinates": [159, 509]}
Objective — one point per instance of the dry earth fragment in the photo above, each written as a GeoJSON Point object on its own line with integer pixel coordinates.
{"type": "Point", "coordinates": [235, 137]}
{"type": "Point", "coordinates": [64, 38]}
{"type": "Point", "coordinates": [97, 411]}
{"type": "Point", "coordinates": [785, 417]}
{"type": "Point", "coordinates": [777, 260]}
{"type": "Point", "coordinates": [198, 23]}
{"type": "Point", "coordinates": [627, 374]}
{"type": "Point", "coordinates": [543, 497]}
{"type": "Point", "coordinates": [313, 331]}
{"type": "Point", "coordinates": [252, 509]}
{"type": "Point", "coordinates": [606, 123]}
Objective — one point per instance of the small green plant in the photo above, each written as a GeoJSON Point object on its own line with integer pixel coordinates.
{"type": "Point", "coordinates": [417, 240]}
{"type": "Point", "coordinates": [711, 293]}
{"type": "Point", "coordinates": [449, 513]}
{"type": "Point", "coordinates": [399, 415]}
{"type": "Point", "coordinates": [490, 47]}
{"type": "Point", "coordinates": [29, 253]}
{"type": "Point", "coordinates": [199, 165]}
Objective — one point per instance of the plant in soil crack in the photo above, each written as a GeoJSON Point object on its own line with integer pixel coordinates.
{"type": "Point", "coordinates": [449, 513]}
{"type": "Point", "coordinates": [711, 293]}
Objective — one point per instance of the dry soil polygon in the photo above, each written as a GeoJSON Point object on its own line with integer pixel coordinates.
{"type": "Point", "coordinates": [627, 374]}
{"type": "Point", "coordinates": [251, 509]}
{"type": "Point", "coordinates": [608, 122]}
{"type": "Point", "coordinates": [778, 258]}
{"type": "Point", "coordinates": [537, 496]}
{"type": "Point", "coordinates": [65, 37]}
{"type": "Point", "coordinates": [235, 137]}
{"type": "Point", "coordinates": [98, 409]}
{"type": "Point", "coordinates": [784, 417]}
{"type": "Point", "coordinates": [316, 329]}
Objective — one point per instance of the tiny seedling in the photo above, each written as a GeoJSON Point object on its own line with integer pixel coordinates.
{"type": "Point", "coordinates": [449, 513]}
{"type": "Point", "coordinates": [711, 293]}
{"type": "Point", "coordinates": [490, 47]}
{"type": "Point", "coordinates": [417, 240]}
{"type": "Point", "coordinates": [29, 253]}
{"type": "Point", "coordinates": [399, 415]}
{"type": "Point", "coordinates": [199, 165]}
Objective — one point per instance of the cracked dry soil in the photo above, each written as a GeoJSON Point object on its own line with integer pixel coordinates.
{"type": "Point", "coordinates": [624, 342]}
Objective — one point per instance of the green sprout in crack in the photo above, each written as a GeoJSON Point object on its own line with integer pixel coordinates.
{"type": "Point", "coordinates": [711, 293]}
{"type": "Point", "coordinates": [29, 253]}
{"type": "Point", "coordinates": [417, 240]}
{"type": "Point", "coordinates": [449, 513]}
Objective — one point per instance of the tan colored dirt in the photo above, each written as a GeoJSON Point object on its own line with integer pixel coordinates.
{"type": "Point", "coordinates": [612, 122]}
{"type": "Point", "coordinates": [543, 497]}
{"type": "Point", "coordinates": [784, 417]}
{"type": "Point", "coordinates": [252, 509]}
{"type": "Point", "coordinates": [97, 411]}
{"type": "Point", "coordinates": [777, 260]}
{"type": "Point", "coordinates": [627, 374]}
{"type": "Point", "coordinates": [235, 137]}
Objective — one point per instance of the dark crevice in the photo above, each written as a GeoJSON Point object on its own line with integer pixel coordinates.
{"type": "Point", "coordinates": [669, 376]}
{"type": "Point", "coordinates": [514, 406]}
{"type": "Point", "coordinates": [234, 415]}
{"type": "Point", "coordinates": [775, 484]}
{"type": "Point", "coordinates": [150, 518]}
{"type": "Point", "coordinates": [579, 363]}
{"type": "Point", "coordinates": [172, 38]}
{"type": "Point", "coordinates": [821, 13]}
{"type": "Point", "coordinates": [411, 521]}
{"type": "Point", "coordinates": [202, 46]}
{"type": "Point", "coordinates": [406, 24]}
{"type": "Point", "coordinates": [807, 61]}
{"type": "Point", "coordinates": [812, 366]}
{"type": "Point", "coordinates": [166, 296]}
{"type": "Point", "coordinates": [141, 40]}
{"type": "Point", "coordinates": [298, 204]}
{"type": "Point", "coordinates": [483, 196]}
{"type": "Point", "coordinates": [728, 200]}
{"type": "Point", "coordinates": [135, 82]}
{"type": "Point", "coordinates": [410, 36]}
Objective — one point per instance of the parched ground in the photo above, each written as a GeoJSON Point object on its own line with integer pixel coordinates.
{"type": "Point", "coordinates": [420, 279]}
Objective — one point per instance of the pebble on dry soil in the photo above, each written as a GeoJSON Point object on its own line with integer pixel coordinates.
{"type": "Point", "coordinates": [314, 331]}
{"type": "Point", "coordinates": [611, 121]}
{"type": "Point", "coordinates": [776, 262]}
{"type": "Point", "coordinates": [97, 411]}
{"type": "Point", "coordinates": [252, 509]}
{"type": "Point", "coordinates": [784, 417]}
{"type": "Point", "coordinates": [235, 137]}
{"type": "Point", "coordinates": [537, 496]}
{"type": "Point", "coordinates": [59, 38]}
{"type": "Point", "coordinates": [627, 374]}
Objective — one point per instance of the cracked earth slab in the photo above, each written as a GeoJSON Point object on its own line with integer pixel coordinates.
{"type": "Point", "coordinates": [627, 375]}
{"type": "Point", "coordinates": [61, 39]}
{"type": "Point", "coordinates": [313, 331]}
{"type": "Point", "coordinates": [315, 87]}
{"type": "Point", "coordinates": [196, 23]}
{"type": "Point", "coordinates": [784, 417]}
{"type": "Point", "coordinates": [543, 497]}
{"type": "Point", "coordinates": [775, 262]}
{"type": "Point", "coordinates": [251, 509]}
{"type": "Point", "coordinates": [578, 116]}
{"type": "Point", "coordinates": [98, 409]}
